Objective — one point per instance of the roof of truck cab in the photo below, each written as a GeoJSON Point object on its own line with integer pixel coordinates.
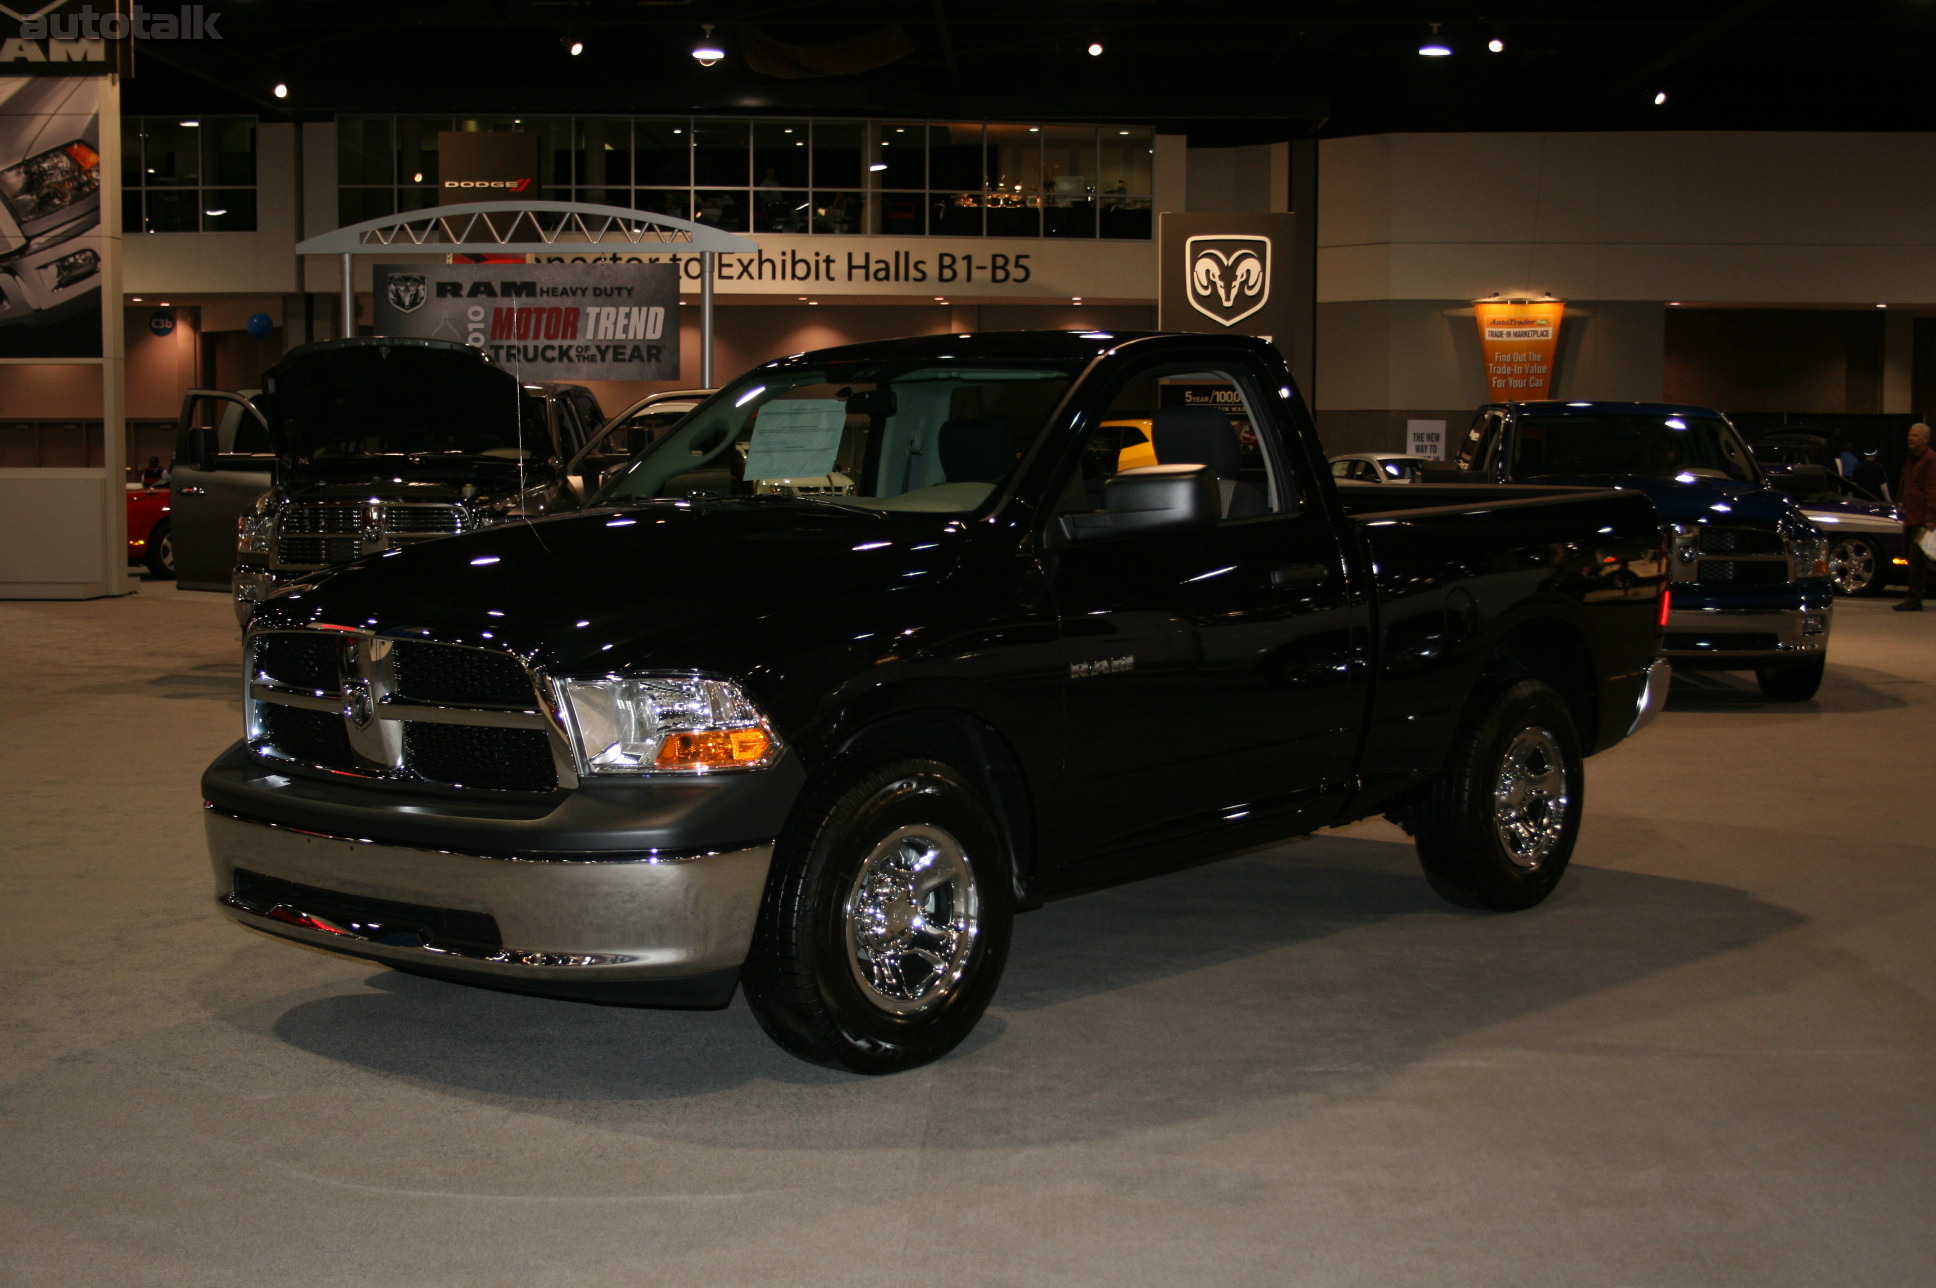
{"type": "Point", "coordinates": [1558, 408]}
{"type": "Point", "coordinates": [1039, 346]}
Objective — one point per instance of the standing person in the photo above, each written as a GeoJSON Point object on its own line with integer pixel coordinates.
{"type": "Point", "coordinates": [1918, 501]}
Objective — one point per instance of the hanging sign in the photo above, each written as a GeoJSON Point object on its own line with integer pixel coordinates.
{"type": "Point", "coordinates": [542, 321]}
{"type": "Point", "coordinates": [1520, 339]}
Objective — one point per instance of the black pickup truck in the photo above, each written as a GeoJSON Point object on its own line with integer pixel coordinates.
{"type": "Point", "coordinates": [717, 731]}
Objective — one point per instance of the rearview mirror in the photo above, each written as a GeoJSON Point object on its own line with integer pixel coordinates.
{"type": "Point", "coordinates": [196, 448]}
{"type": "Point", "coordinates": [1153, 498]}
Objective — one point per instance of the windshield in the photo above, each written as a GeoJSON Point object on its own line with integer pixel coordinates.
{"type": "Point", "coordinates": [939, 437]}
{"type": "Point", "coordinates": [1695, 446]}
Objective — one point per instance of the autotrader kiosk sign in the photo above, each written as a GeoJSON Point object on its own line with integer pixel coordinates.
{"type": "Point", "coordinates": [542, 321]}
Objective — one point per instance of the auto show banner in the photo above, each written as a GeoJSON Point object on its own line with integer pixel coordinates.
{"type": "Point", "coordinates": [50, 217]}
{"type": "Point", "coordinates": [1226, 272]}
{"type": "Point", "coordinates": [1520, 339]}
{"type": "Point", "coordinates": [543, 321]}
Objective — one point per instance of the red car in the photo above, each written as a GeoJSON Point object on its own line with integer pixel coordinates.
{"type": "Point", "coordinates": [148, 539]}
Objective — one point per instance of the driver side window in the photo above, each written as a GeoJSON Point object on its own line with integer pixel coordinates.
{"type": "Point", "coordinates": [1187, 416]}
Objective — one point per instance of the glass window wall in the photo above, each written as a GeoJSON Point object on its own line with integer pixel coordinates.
{"type": "Point", "coordinates": [780, 175]}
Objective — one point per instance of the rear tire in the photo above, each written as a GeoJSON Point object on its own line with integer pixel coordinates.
{"type": "Point", "coordinates": [1856, 566]}
{"type": "Point", "coordinates": [1791, 681]}
{"type": "Point", "coordinates": [1495, 829]}
{"type": "Point", "coordinates": [160, 556]}
{"type": "Point", "coordinates": [885, 923]}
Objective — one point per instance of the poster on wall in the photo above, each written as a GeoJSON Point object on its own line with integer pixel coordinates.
{"type": "Point", "coordinates": [542, 321]}
{"type": "Point", "coordinates": [50, 217]}
{"type": "Point", "coordinates": [1519, 339]}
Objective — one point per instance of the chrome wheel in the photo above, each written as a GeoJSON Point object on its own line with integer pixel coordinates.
{"type": "Point", "coordinates": [911, 919]}
{"type": "Point", "coordinates": [1530, 798]}
{"type": "Point", "coordinates": [1852, 566]}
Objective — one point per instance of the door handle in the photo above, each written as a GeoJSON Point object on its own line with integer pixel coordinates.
{"type": "Point", "coordinates": [193, 491]}
{"type": "Point", "coordinates": [1291, 575]}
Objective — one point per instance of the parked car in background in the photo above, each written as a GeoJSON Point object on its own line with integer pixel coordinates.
{"type": "Point", "coordinates": [1865, 542]}
{"type": "Point", "coordinates": [381, 442]}
{"type": "Point", "coordinates": [1751, 587]}
{"type": "Point", "coordinates": [150, 542]}
{"type": "Point", "coordinates": [1379, 467]}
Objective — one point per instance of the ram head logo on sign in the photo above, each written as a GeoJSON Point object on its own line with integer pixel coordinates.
{"type": "Point", "coordinates": [1229, 276]}
{"type": "Point", "coordinates": [407, 292]}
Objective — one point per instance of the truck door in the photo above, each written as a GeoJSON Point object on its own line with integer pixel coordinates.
{"type": "Point", "coordinates": [1214, 675]}
{"type": "Point", "coordinates": [211, 489]}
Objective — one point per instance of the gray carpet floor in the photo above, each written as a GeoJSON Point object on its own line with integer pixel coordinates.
{"type": "Point", "coordinates": [1707, 1060]}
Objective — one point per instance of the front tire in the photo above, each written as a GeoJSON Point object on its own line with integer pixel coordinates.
{"type": "Point", "coordinates": [160, 556]}
{"type": "Point", "coordinates": [1495, 829]}
{"type": "Point", "coordinates": [1856, 566]}
{"type": "Point", "coordinates": [885, 923]}
{"type": "Point", "coordinates": [1791, 681]}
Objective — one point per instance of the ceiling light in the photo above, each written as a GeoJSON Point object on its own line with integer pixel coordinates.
{"type": "Point", "coordinates": [1095, 49]}
{"type": "Point", "coordinates": [1496, 45]}
{"type": "Point", "coordinates": [707, 51]}
{"type": "Point", "coordinates": [1673, 304]}
{"type": "Point", "coordinates": [573, 45]}
{"type": "Point", "coordinates": [1660, 99]}
{"type": "Point", "coordinates": [878, 166]}
{"type": "Point", "coordinates": [1434, 47]}
{"type": "Point", "coordinates": [417, 177]}
{"type": "Point", "coordinates": [224, 210]}
{"type": "Point", "coordinates": [1882, 306]}
{"type": "Point", "coordinates": [190, 124]}
{"type": "Point", "coordinates": [281, 90]}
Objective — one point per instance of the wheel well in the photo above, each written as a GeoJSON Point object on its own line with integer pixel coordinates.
{"type": "Point", "coordinates": [973, 747]}
{"type": "Point", "coordinates": [1549, 651]}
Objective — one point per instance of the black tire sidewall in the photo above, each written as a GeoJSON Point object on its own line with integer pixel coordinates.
{"type": "Point", "coordinates": [815, 869]}
{"type": "Point", "coordinates": [1458, 842]}
{"type": "Point", "coordinates": [158, 538]}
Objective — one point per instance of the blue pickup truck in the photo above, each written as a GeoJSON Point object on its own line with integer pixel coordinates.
{"type": "Point", "coordinates": [1750, 578]}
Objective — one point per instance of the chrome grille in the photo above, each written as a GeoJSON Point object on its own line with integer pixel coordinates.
{"type": "Point", "coordinates": [1744, 572]}
{"type": "Point", "coordinates": [441, 520]}
{"type": "Point", "coordinates": [1740, 541]}
{"type": "Point", "coordinates": [313, 518]}
{"type": "Point", "coordinates": [317, 552]}
{"type": "Point", "coordinates": [404, 710]}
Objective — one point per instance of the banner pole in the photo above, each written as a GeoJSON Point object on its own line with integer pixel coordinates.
{"type": "Point", "coordinates": [706, 320]}
{"type": "Point", "coordinates": [349, 297]}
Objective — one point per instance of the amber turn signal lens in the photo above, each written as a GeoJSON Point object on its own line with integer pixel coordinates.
{"type": "Point", "coordinates": [82, 155]}
{"type": "Point", "coordinates": [713, 748]}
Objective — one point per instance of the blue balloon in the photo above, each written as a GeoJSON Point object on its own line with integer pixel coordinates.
{"type": "Point", "coordinates": [261, 326]}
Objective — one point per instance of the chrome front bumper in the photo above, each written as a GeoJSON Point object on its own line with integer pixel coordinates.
{"type": "Point", "coordinates": [645, 929]}
{"type": "Point", "coordinates": [1653, 694]}
{"type": "Point", "coordinates": [1752, 633]}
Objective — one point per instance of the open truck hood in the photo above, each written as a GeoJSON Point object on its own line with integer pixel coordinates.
{"type": "Point", "coordinates": [384, 406]}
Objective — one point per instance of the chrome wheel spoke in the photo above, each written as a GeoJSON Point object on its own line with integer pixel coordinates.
{"type": "Point", "coordinates": [1531, 802]}
{"type": "Point", "coordinates": [911, 917]}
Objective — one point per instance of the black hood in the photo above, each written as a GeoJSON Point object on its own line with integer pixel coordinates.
{"type": "Point", "coordinates": [359, 407]}
{"type": "Point", "coordinates": [614, 588]}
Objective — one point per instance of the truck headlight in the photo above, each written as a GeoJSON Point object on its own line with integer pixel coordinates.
{"type": "Point", "coordinates": [51, 181]}
{"type": "Point", "coordinates": [255, 530]}
{"type": "Point", "coordinates": [679, 724]}
{"type": "Point", "coordinates": [1808, 556]}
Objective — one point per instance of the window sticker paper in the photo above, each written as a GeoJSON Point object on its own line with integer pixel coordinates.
{"type": "Point", "coordinates": [796, 438]}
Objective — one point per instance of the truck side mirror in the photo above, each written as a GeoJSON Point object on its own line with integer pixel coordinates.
{"type": "Point", "coordinates": [1153, 498]}
{"type": "Point", "coordinates": [196, 448]}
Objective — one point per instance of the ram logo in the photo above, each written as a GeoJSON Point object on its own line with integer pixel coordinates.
{"type": "Point", "coordinates": [1229, 276]}
{"type": "Point", "coordinates": [407, 292]}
